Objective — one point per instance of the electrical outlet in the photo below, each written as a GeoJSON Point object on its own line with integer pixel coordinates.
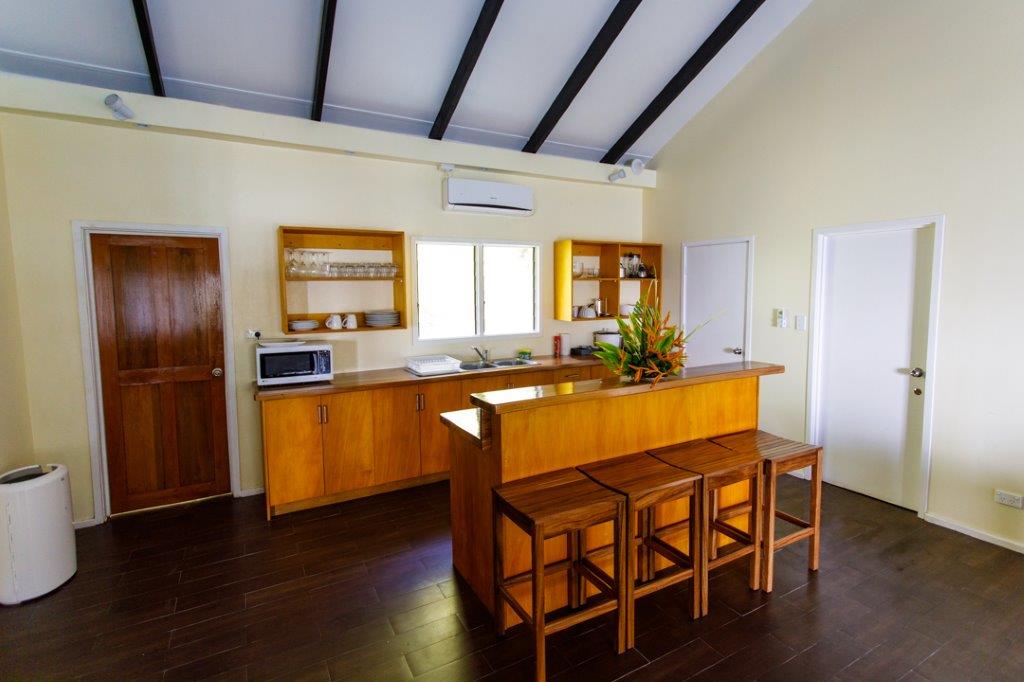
{"type": "Point", "coordinates": [1010, 499]}
{"type": "Point", "coordinates": [251, 333]}
{"type": "Point", "coordinates": [780, 318]}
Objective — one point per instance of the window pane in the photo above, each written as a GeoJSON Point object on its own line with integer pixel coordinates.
{"type": "Point", "coordinates": [446, 290]}
{"type": "Point", "coordinates": [509, 296]}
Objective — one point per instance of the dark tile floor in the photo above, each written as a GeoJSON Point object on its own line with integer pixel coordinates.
{"type": "Point", "coordinates": [365, 590]}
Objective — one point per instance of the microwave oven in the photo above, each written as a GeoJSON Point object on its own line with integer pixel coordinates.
{"type": "Point", "coordinates": [294, 364]}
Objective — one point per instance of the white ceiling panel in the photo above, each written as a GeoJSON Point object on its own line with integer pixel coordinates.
{"type": "Point", "coordinates": [533, 47]}
{"type": "Point", "coordinates": [657, 41]}
{"type": "Point", "coordinates": [258, 54]}
{"type": "Point", "coordinates": [95, 43]}
{"type": "Point", "coordinates": [392, 60]}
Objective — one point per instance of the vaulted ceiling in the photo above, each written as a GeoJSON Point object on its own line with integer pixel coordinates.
{"type": "Point", "coordinates": [591, 79]}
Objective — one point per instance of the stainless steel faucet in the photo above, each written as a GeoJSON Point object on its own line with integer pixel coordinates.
{"type": "Point", "coordinates": [485, 354]}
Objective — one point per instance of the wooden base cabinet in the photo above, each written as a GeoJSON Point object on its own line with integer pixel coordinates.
{"type": "Point", "coordinates": [323, 449]}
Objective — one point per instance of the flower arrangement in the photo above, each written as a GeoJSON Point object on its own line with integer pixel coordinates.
{"type": "Point", "coordinates": [652, 349]}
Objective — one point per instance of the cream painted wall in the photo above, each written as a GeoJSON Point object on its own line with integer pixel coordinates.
{"type": "Point", "coordinates": [59, 171]}
{"type": "Point", "coordinates": [868, 110]}
{"type": "Point", "coordinates": [15, 430]}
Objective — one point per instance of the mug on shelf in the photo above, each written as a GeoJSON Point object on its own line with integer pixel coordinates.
{"type": "Point", "coordinates": [350, 321]}
{"type": "Point", "coordinates": [333, 321]}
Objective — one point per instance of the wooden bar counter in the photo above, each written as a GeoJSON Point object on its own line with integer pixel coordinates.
{"type": "Point", "coordinates": [521, 432]}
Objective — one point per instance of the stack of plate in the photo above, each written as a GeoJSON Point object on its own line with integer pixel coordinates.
{"type": "Point", "coordinates": [303, 325]}
{"type": "Point", "coordinates": [382, 318]}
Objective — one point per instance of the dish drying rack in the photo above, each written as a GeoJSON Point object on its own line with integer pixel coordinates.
{"type": "Point", "coordinates": [430, 365]}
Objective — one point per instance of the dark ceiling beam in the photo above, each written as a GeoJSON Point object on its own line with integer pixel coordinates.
{"type": "Point", "coordinates": [578, 78]}
{"type": "Point", "coordinates": [323, 57]}
{"type": "Point", "coordinates": [484, 22]}
{"type": "Point", "coordinates": [149, 46]}
{"type": "Point", "coordinates": [732, 23]}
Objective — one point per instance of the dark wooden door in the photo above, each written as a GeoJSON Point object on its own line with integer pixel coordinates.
{"type": "Point", "coordinates": [161, 346]}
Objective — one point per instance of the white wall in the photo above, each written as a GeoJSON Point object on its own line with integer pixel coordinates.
{"type": "Point", "coordinates": [58, 171]}
{"type": "Point", "coordinates": [868, 110]}
{"type": "Point", "coordinates": [15, 429]}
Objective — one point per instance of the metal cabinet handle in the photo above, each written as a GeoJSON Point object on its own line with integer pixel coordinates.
{"type": "Point", "coordinates": [326, 415]}
{"type": "Point", "coordinates": [319, 414]}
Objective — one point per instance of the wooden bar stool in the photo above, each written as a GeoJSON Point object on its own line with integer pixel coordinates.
{"type": "Point", "coordinates": [782, 456]}
{"type": "Point", "coordinates": [647, 482]}
{"type": "Point", "coordinates": [721, 467]}
{"type": "Point", "coordinates": [563, 502]}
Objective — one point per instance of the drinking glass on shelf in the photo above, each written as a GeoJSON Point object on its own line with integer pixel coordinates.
{"type": "Point", "coordinates": [577, 268]}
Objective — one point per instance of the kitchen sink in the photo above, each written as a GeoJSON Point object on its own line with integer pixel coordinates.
{"type": "Point", "coordinates": [512, 362]}
{"type": "Point", "coordinates": [474, 365]}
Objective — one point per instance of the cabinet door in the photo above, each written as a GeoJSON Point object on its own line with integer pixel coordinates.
{"type": "Point", "coordinates": [293, 448]}
{"type": "Point", "coordinates": [531, 379]}
{"type": "Point", "coordinates": [396, 434]}
{"type": "Point", "coordinates": [570, 374]}
{"type": "Point", "coordinates": [482, 384]}
{"type": "Point", "coordinates": [443, 396]}
{"type": "Point", "coordinates": [348, 441]}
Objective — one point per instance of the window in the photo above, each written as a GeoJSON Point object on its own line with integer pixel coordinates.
{"type": "Point", "coordinates": [467, 289]}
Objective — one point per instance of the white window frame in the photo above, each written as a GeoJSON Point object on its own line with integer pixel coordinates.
{"type": "Point", "coordinates": [478, 245]}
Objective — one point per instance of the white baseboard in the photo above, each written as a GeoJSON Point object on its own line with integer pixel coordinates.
{"type": "Point", "coordinates": [978, 534]}
{"type": "Point", "coordinates": [249, 493]}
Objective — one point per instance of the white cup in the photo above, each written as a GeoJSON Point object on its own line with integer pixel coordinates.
{"type": "Point", "coordinates": [333, 321]}
{"type": "Point", "coordinates": [350, 321]}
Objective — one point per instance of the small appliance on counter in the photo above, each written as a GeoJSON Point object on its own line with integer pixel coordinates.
{"type": "Point", "coordinates": [608, 336]}
{"type": "Point", "coordinates": [280, 364]}
{"type": "Point", "coordinates": [432, 365]}
{"type": "Point", "coordinates": [583, 351]}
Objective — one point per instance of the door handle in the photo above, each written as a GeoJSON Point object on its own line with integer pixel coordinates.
{"type": "Point", "coordinates": [326, 414]}
{"type": "Point", "coordinates": [217, 372]}
{"type": "Point", "coordinates": [737, 351]}
{"type": "Point", "coordinates": [917, 372]}
{"type": "Point", "coordinates": [319, 414]}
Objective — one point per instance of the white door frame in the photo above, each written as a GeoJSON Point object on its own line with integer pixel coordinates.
{"type": "Point", "coordinates": [820, 239]}
{"type": "Point", "coordinates": [748, 332]}
{"type": "Point", "coordinates": [81, 231]}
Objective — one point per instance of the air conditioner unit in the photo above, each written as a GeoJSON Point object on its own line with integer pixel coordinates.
{"type": "Point", "coordinates": [480, 196]}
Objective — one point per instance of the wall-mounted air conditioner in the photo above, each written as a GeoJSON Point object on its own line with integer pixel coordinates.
{"type": "Point", "coordinates": [480, 196]}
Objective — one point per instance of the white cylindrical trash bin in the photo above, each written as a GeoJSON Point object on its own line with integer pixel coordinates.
{"type": "Point", "coordinates": [37, 533]}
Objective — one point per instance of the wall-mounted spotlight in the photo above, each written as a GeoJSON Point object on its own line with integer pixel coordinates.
{"type": "Point", "coordinates": [117, 105]}
{"type": "Point", "coordinates": [636, 165]}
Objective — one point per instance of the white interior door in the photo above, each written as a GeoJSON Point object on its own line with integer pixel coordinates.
{"type": "Point", "coordinates": [875, 302]}
{"type": "Point", "coordinates": [716, 286]}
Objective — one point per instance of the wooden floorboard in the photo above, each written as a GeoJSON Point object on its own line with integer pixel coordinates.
{"type": "Point", "coordinates": [365, 590]}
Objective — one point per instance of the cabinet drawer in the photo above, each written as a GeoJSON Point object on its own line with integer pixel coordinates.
{"type": "Point", "coordinates": [572, 374]}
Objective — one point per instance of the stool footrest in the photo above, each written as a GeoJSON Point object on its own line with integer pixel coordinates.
{"type": "Point", "coordinates": [591, 610]}
{"type": "Point", "coordinates": [599, 578]}
{"type": "Point", "coordinates": [731, 512]}
{"type": "Point", "coordinates": [793, 537]}
{"type": "Point", "coordinates": [669, 552]}
{"type": "Point", "coordinates": [669, 576]}
{"type": "Point", "coordinates": [526, 576]}
{"type": "Point", "coordinates": [734, 533]}
{"type": "Point", "coordinates": [789, 518]}
{"type": "Point", "coordinates": [673, 527]}
{"type": "Point", "coordinates": [736, 551]}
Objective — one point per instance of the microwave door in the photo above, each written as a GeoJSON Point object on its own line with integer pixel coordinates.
{"type": "Point", "coordinates": [282, 365]}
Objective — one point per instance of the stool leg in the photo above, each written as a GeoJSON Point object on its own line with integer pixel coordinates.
{"type": "Point", "coordinates": [756, 492]}
{"type": "Point", "coordinates": [652, 530]}
{"type": "Point", "coordinates": [696, 540]}
{"type": "Point", "coordinates": [572, 540]}
{"type": "Point", "coordinates": [770, 492]}
{"type": "Point", "coordinates": [537, 539]}
{"type": "Point", "coordinates": [815, 543]}
{"type": "Point", "coordinates": [624, 530]}
{"type": "Point", "coordinates": [712, 535]}
{"type": "Point", "coordinates": [638, 558]}
{"type": "Point", "coordinates": [499, 567]}
{"type": "Point", "coordinates": [705, 539]}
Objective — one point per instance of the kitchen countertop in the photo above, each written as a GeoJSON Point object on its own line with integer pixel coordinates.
{"type": "Point", "coordinates": [399, 376]}
{"type": "Point", "coordinates": [514, 399]}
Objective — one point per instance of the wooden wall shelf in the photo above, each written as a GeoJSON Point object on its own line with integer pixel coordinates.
{"type": "Point", "coordinates": [339, 239]}
{"type": "Point", "coordinates": [608, 255]}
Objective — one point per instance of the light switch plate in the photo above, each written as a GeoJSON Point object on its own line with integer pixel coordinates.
{"type": "Point", "coordinates": [800, 323]}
